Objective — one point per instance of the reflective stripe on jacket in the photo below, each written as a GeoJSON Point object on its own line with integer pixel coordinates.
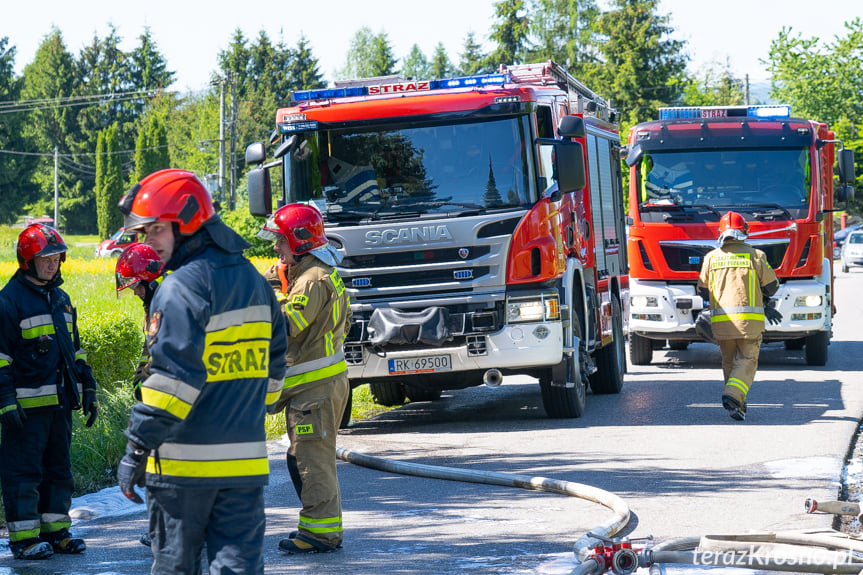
{"type": "Point", "coordinates": [734, 274]}
{"type": "Point", "coordinates": [32, 369]}
{"type": "Point", "coordinates": [217, 343]}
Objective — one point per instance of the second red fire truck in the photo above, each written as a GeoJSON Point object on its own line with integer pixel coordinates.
{"type": "Point", "coordinates": [481, 222]}
{"type": "Point", "coordinates": [694, 165]}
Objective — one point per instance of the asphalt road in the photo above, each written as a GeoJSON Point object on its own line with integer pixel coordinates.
{"type": "Point", "coordinates": [664, 444]}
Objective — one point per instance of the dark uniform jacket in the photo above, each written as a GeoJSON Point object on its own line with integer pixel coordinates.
{"type": "Point", "coordinates": [41, 361]}
{"type": "Point", "coordinates": [217, 343]}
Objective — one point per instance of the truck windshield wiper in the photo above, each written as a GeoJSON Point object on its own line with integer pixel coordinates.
{"type": "Point", "coordinates": [772, 211]}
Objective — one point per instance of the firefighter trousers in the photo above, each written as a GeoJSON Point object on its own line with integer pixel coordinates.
{"type": "Point", "coordinates": [739, 364]}
{"type": "Point", "coordinates": [230, 521]}
{"type": "Point", "coordinates": [36, 474]}
{"type": "Point", "coordinates": [313, 419]}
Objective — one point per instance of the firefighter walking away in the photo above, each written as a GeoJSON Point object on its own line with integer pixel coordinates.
{"type": "Point", "coordinates": [44, 376]}
{"type": "Point", "coordinates": [737, 277]}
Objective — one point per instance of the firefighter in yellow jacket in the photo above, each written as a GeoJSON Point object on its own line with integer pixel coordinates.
{"type": "Point", "coordinates": [316, 385]}
{"type": "Point", "coordinates": [737, 279]}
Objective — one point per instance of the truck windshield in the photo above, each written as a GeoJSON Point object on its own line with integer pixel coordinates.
{"type": "Point", "coordinates": [393, 170]}
{"type": "Point", "coordinates": [775, 182]}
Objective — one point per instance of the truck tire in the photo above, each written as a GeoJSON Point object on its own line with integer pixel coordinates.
{"type": "Point", "coordinates": [611, 359]}
{"type": "Point", "coordinates": [640, 349]}
{"type": "Point", "coordinates": [558, 400]}
{"type": "Point", "coordinates": [421, 393]}
{"type": "Point", "coordinates": [346, 416]}
{"type": "Point", "coordinates": [388, 393]}
{"type": "Point", "coordinates": [816, 348]}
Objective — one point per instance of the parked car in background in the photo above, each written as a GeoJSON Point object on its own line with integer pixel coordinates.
{"type": "Point", "coordinates": [839, 238]}
{"type": "Point", "coordinates": [114, 245]}
{"type": "Point", "coordinates": [852, 251]}
{"type": "Point", "coordinates": [45, 220]}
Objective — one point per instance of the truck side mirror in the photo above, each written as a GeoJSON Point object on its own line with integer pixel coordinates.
{"type": "Point", "coordinates": [569, 165]}
{"type": "Point", "coordinates": [256, 153]}
{"type": "Point", "coordinates": [260, 191]}
{"type": "Point", "coordinates": [845, 194]}
{"type": "Point", "coordinates": [571, 127]}
{"type": "Point", "coordinates": [846, 166]}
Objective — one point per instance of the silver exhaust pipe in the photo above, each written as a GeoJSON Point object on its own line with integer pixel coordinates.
{"type": "Point", "coordinates": [492, 378]}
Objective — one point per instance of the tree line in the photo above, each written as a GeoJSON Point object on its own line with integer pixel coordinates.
{"type": "Point", "coordinates": [107, 117]}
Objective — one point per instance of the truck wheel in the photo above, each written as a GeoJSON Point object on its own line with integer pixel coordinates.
{"type": "Point", "coordinates": [388, 393]}
{"type": "Point", "coordinates": [677, 344]}
{"type": "Point", "coordinates": [795, 344]}
{"type": "Point", "coordinates": [640, 349]}
{"type": "Point", "coordinates": [611, 359]}
{"type": "Point", "coordinates": [420, 393]}
{"type": "Point", "coordinates": [346, 416]}
{"type": "Point", "coordinates": [558, 400]}
{"type": "Point", "coordinates": [816, 348]}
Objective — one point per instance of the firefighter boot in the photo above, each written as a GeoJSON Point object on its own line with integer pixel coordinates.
{"type": "Point", "coordinates": [734, 403]}
{"type": "Point", "coordinates": [31, 549]}
{"type": "Point", "coordinates": [300, 543]}
{"type": "Point", "coordinates": [63, 542]}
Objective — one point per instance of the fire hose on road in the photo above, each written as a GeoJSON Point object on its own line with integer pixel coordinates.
{"type": "Point", "coordinates": [600, 551]}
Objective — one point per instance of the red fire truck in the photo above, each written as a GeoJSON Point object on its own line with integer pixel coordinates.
{"type": "Point", "coordinates": [694, 165]}
{"type": "Point", "coordinates": [481, 222]}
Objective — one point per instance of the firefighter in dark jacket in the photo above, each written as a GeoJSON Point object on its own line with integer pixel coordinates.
{"type": "Point", "coordinates": [43, 377]}
{"type": "Point", "coordinates": [139, 268]}
{"type": "Point", "coordinates": [217, 342]}
{"type": "Point", "coordinates": [316, 387]}
{"type": "Point", "coordinates": [737, 279]}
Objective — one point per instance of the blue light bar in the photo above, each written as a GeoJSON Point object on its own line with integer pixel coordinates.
{"type": "Point", "coordinates": [470, 81]}
{"type": "Point", "coordinates": [402, 87]}
{"type": "Point", "coordinates": [710, 112]}
{"type": "Point", "coordinates": [783, 111]}
{"type": "Point", "coordinates": [679, 113]}
{"type": "Point", "coordinates": [329, 94]}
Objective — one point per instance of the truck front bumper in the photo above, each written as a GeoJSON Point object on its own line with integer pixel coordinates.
{"type": "Point", "coordinates": [514, 348]}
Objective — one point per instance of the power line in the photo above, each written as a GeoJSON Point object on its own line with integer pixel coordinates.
{"type": "Point", "coordinates": [51, 154]}
{"type": "Point", "coordinates": [11, 107]}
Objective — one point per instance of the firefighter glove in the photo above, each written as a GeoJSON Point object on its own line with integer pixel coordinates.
{"type": "Point", "coordinates": [131, 471]}
{"type": "Point", "coordinates": [703, 327]}
{"type": "Point", "coordinates": [272, 277]}
{"type": "Point", "coordinates": [12, 415]}
{"type": "Point", "coordinates": [773, 316]}
{"type": "Point", "coordinates": [89, 407]}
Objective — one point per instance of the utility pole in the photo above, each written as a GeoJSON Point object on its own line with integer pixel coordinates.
{"type": "Point", "coordinates": [56, 189]}
{"type": "Point", "coordinates": [233, 143]}
{"type": "Point", "coordinates": [746, 101]}
{"type": "Point", "coordinates": [222, 142]}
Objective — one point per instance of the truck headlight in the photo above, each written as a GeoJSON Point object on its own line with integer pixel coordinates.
{"type": "Point", "coordinates": [644, 301]}
{"type": "Point", "coordinates": [808, 301]}
{"type": "Point", "coordinates": [541, 308]}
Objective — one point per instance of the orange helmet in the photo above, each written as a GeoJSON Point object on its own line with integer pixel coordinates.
{"type": "Point", "coordinates": [168, 195]}
{"type": "Point", "coordinates": [301, 224]}
{"type": "Point", "coordinates": [39, 240]}
{"type": "Point", "coordinates": [138, 263]}
{"type": "Point", "coordinates": [733, 225]}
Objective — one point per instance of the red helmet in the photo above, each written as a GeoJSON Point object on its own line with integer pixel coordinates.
{"type": "Point", "coordinates": [168, 195]}
{"type": "Point", "coordinates": [733, 225]}
{"type": "Point", "coordinates": [39, 240]}
{"type": "Point", "coordinates": [301, 224]}
{"type": "Point", "coordinates": [138, 263]}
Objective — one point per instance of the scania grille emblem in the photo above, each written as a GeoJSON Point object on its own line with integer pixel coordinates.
{"type": "Point", "coordinates": [463, 253]}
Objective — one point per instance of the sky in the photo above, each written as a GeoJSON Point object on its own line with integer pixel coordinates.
{"type": "Point", "coordinates": [191, 34]}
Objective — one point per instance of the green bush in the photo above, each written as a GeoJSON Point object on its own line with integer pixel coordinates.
{"type": "Point", "coordinates": [113, 343]}
{"type": "Point", "coordinates": [248, 226]}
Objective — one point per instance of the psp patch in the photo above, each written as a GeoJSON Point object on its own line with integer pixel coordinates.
{"type": "Point", "coordinates": [299, 301]}
{"type": "Point", "coordinates": [155, 324]}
